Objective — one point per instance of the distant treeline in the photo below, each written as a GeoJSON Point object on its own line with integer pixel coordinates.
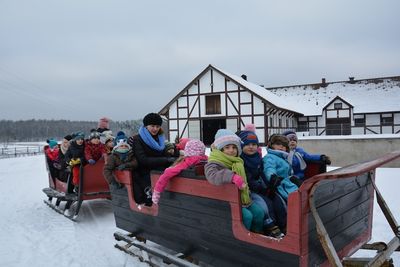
{"type": "Point", "coordinates": [40, 130]}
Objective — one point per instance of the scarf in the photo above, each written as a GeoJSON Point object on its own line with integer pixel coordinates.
{"type": "Point", "coordinates": [236, 165]}
{"type": "Point", "coordinates": [150, 141]}
{"type": "Point", "coordinates": [296, 154]}
{"type": "Point", "coordinates": [64, 149]}
{"type": "Point", "coordinates": [251, 162]}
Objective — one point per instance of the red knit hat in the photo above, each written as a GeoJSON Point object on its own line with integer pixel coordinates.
{"type": "Point", "coordinates": [104, 123]}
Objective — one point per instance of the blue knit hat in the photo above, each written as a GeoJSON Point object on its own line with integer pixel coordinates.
{"type": "Point", "coordinates": [78, 136]}
{"type": "Point", "coordinates": [120, 136]}
{"type": "Point", "coordinates": [290, 135]}
{"type": "Point", "coordinates": [225, 137]}
{"type": "Point", "coordinates": [52, 143]}
{"type": "Point", "coordinates": [248, 137]}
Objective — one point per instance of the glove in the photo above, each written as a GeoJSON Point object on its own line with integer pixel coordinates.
{"type": "Point", "coordinates": [121, 167]}
{"type": "Point", "coordinates": [294, 179]}
{"type": "Point", "coordinates": [274, 182]}
{"type": "Point", "coordinates": [57, 165]}
{"type": "Point", "coordinates": [91, 161]}
{"type": "Point", "coordinates": [238, 181]}
{"type": "Point", "coordinates": [171, 160]}
{"type": "Point", "coordinates": [155, 197]}
{"type": "Point", "coordinates": [325, 159]}
{"type": "Point", "coordinates": [114, 185]}
{"type": "Point", "coordinates": [74, 162]}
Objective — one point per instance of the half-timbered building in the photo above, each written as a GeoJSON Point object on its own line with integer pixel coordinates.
{"type": "Point", "coordinates": [216, 99]}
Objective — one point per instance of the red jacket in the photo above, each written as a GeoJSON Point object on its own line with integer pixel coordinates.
{"type": "Point", "coordinates": [52, 154]}
{"type": "Point", "coordinates": [93, 151]}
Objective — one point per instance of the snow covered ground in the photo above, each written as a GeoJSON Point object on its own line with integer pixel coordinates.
{"type": "Point", "coordinates": [34, 235]}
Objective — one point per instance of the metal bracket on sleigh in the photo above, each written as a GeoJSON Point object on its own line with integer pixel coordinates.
{"type": "Point", "coordinates": [382, 258]}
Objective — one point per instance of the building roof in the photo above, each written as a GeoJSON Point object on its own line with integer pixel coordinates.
{"type": "Point", "coordinates": [366, 96]}
{"type": "Point", "coordinates": [260, 91]}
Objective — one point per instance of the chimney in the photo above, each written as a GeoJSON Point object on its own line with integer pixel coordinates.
{"type": "Point", "coordinates": [351, 80]}
{"type": "Point", "coordinates": [244, 77]}
{"type": "Point", "coordinates": [323, 82]}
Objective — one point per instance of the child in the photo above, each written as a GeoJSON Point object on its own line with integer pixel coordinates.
{"type": "Point", "coordinates": [75, 156]}
{"type": "Point", "coordinates": [109, 144]}
{"type": "Point", "coordinates": [149, 149]}
{"type": "Point", "coordinates": [194, 154]}
{"type": "Point", "coordinates": [225, 166]}
{"type": "Point", "coordinates": [277, 169]}
{"type": "Point", "coordinates": [180, 146]}
{"type": "Point", "coordinates": [52, 153]}
{"type": "Point", "coordinates": [65, 144]}
{"type": "Point", "coordinates": [297, 157]}
{"type": "Point", "coordinates": [121, 158]}
{"type": "Point", "coordinates": [274, 207]}
{"type": "Point", "coordinates": [94, 150]}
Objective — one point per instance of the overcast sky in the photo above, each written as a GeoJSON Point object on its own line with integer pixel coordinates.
{"type": "Point", "coordinates": [84, 59]}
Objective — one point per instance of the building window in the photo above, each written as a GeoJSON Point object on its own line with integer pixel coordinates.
{"type": "Point", "coordinates": [386, 121]}
{"type": "Point", "coordinates": [337, 106]}
{"type": "Point", "coordinates": [359, 122]}
{"type": "Point", "coordinates": [271, 122]}
{"type": "Point", "coordinates": [302, 126]}
{"type": "Point", "coordinates": [213, 104]}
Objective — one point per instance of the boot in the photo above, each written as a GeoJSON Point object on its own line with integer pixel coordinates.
{"type": "Point", "coordinates": [274, 231]}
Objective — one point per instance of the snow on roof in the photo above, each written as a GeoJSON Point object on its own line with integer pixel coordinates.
{"type": "Point", "coordinates": [262, 92]}
{"type": "Point", "coordinates": [366, 96]}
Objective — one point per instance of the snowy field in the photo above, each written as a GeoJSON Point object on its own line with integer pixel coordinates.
{"type": "Point", "coordinates": [34, 235]}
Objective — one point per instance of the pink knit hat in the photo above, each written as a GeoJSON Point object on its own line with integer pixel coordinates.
{"type": "Point", "coordinates": [194, 147]}
{"type": "Point", "coordinates": [250, 127]}
{"type": "Point", "coordinates": [182, 143]}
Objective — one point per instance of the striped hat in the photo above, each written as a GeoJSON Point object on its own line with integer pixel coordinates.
{"type": "Point", "coordinates": [225, 137]}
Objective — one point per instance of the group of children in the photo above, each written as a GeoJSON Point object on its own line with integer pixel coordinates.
{"type": "Point", "coordinates": [264, 182]}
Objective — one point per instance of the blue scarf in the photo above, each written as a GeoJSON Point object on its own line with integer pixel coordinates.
{"type": "Point", "coordinates": [150, 141]}
{"type": "Point", "coordinates": [251, 162]}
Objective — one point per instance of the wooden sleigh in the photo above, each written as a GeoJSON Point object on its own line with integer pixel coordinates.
{"type": "Point", "coordinates": [92, 186]}
{"type": "Point", "coordinates": [329, 219]}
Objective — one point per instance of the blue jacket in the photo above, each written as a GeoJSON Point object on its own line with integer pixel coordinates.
{"type": "Point", "coordinates": [307, 157]}
{"type": "Point", "coordinates": [275, 163]}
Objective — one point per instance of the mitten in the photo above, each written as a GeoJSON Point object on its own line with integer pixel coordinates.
{"type": "Point", "coordinates": [91, 161]}
{"type": "Point", "coordinates": [294, 179]}
{"type": "Point", "coordinates": [57, 165]}
{"type": "Point", "coordinates": [121, 167]}
{"type": "Point", "coordinates": [155, 197]}
{"type": "Point", "coordinates": [274, 182]}
{"type": "Point", "coordinates": [325, 159]}
{"type": "Point", "coordinates": [238, 181]}
{"type": "Point", "coordinates": [74, 162]}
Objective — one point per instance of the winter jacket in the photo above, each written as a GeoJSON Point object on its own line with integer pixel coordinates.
{"type": "Point", "coordinates": [114, 160]}
{"type": "Point", "coordinates": [94, 151]}
{"type": "Point", "coordinates": [256, 179]}
{"type": "Point", "coordinates": [217, 174]}
{"type": "Point", "coordinates": [148, 159]}
{"type": "Point", "coordinates": [307, 157]}
{"type": "Point", "coordinates": [75, 151]}
{"type": "Point", "coordinates": [275, 163]}
{"type": "Point", "coordinates": [52, 154]}
{"type": "Point", "coordinates": [171, 172]}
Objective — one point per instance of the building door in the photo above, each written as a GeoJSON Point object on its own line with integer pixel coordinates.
{"type": "Point", "coordinates": [338, 126]}
{"type": "Point", "coordinates": [210, 128]}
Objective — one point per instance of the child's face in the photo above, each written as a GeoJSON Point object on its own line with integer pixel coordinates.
{"type": "Point", "coordinates": [153, 129]}
{"type": "Point", "coordinates": [95, 141]}
{"type": "Point", "coordinates": [230, 150]}
{"type": "Point", "coordinates": [79, 142]}
{"type": "Point", "coordinates": [279, 147]}
{"type": "Point", "coordinates": [110, 144]}
{"type": "Point", "coordinates": [250, 149]}
{"type": "Point", "coordinates": [292, 144]}
{"type": "Point", "coordinates": [171, 151]}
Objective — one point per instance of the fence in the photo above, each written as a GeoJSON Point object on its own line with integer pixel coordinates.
{"type": "Point", "coordinates": [19, 151]}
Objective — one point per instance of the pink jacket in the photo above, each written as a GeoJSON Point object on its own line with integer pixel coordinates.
{"type": "Point", "coordinates": [171, 172]}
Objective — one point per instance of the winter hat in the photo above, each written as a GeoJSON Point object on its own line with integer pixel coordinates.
{"type": "Point", "coordinates": [52, 142]}
{"type": "Point", "coordinates": [108, 139]}
{"type": "Point", "coordinates": [277, 139]}
{"type": "Point", "coordinates": [103, 123]}
{"type": "Point", "coordinates": [182, 143]}
{"type": "Point", "coordinates": [290, 135]}
{"type": "Point", "coordinates": [68, 137]}
{"type": "Point", "coordinates": [119, 143]}
{"type": "Point", "coordinates": [248, 137]}
{"type": "Point", "coordinates": [250, 127]}
{"type": "Point", "coordinates": [94, 135]}
{"type": "Point", "coordinates": [225, 137]}
{"type": "Point", "coordinates": [152, 119]}
{"type": "Point", "coordinates": [120, 136]}
{"type": "Point", "coordinates": [194, 147]}
{"type": "Point", "coordinates": [78, 136]}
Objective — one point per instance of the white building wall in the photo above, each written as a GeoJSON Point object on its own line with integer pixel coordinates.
{"type": "Point", "coordinates": [218, 82]}
{"type": "Point", "coordinates": [343, 113]}
{"type": "Point", "coordinates": [194, 129]}
{"type": "Point", "coordinates": [232, 124]}
{"type": "Point", "coordinates": [372, 119]}
{"type": "Point", "coordinates": [193, 89]}
{"type": "Point", "coordinates": [193, 108]}
{"type": "Point", "coordinates": [396, 118]}
{"type": "Point", "coordinates": [331, 114]}
{"type": "Point", "coordinates": [258, 106]}
{"type": "Point", "coordinates": [173, 113]}
{"type": "Point", "coordinates": [235, 100]}
{"type": "Point", "coordinates": [205, 83]}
